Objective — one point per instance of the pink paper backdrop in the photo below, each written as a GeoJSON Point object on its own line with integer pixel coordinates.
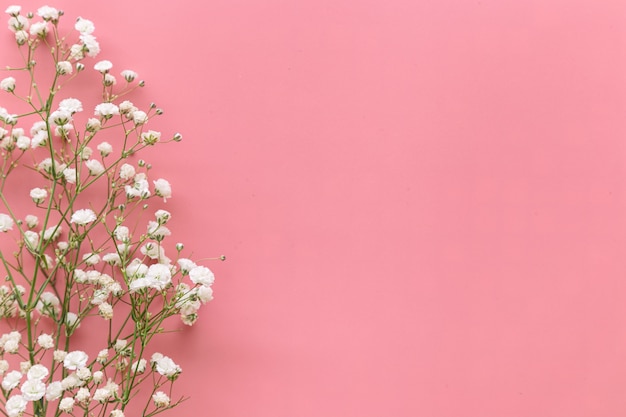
{"type": "Point", "coordinates": [422, 202]}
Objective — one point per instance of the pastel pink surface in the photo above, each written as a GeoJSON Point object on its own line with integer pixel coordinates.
{"type": "Point", "coordinates": [422, 202]}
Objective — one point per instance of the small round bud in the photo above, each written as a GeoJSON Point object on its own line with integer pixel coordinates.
{"type": "Point", "coordinates": [179, 246]}
{"type": "Point", "coordinates": [177, 137]}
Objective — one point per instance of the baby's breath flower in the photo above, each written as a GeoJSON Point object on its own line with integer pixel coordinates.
{"type": "Point", "coordinates": [103, 66]}
{"type": "Point", "coordinates": [105, 148]}
{"type": "Point", "coordinates": [84, 26]}
{"type": "Point", "coordinates": [66, 404]}
{"type": "Point", "coordinates": [129, 75]}
{"type": "Point", "coordinates": [64, 67]}
{"type": "Point", "coordinates": [83, 217]}
{"type": "Point", "coordinates": [8, 84]}
{"type": "Point", "coordinates": [160, 399]}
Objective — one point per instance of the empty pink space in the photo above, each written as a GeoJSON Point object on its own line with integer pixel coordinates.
{"type": "Point", "coordinates": [422, 202]}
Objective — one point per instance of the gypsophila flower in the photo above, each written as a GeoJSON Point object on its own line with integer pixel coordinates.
{"type": "Point", "coordinates": [117, 413]}
{"type": "Point", "coordinates": [39, 29]}
{"type": "Point", "coordinates": [38, 195]}
{"type": "Point", "coordinates": [8, 84]}
{"type": "Point", "coordinates": [140, 117]}
{"type": "Point", "coordinates": [64, 67]}
{"type": "Point", "coordinates": [84, 26]}
{"type": "Point", "coordinates": [71, 105]}
{"type": "Point", "coordinates": [166, 367]}
{"type": "Point", "coordinates": [54, 391]}
{"type": "Point", "coordinates": [11, 380]}
{"type": "Point", "coordinates": [127, 171]}
{"type": "Point", "coordinates": [162, 188]}
{"type": "Point", "coordinates": [83, 217]}
{"type": "Point", "coordinates": [129, 75]}
{"type": "Point", "coordinates": [6, 222]}
{"type": "Point", "coordinates": [48, 13]}
{"type": "Point", "coordinates": [150, 137]}
{"type": "Point", "coordinates": [37, 372]}
{"type": "Point", "coordinates": [82, 395]}
{"type": "Point", "coordinates": [33, 390]}
{"type": "Point", "coordinates": [160, 399]}
{"type": "Point", "coordinates": [4, 366]}
{"type": "Point", "coordinates": [66, 404]}
{"type": "Point", "coordinates": [15, 406]}
{"type": "Point", "coordinates": [75, 360]}
{"type": "Point", "coordinates": [45, 341]}
{"type": "Point", "coordinates": [72, 320]}
{"type": "Point", "coordinates": [103, 66]}
{"type": "Point", "coordinates": [105, 148]}
{"type": "Point", "coordinates": [201, 275]}
{"type": "Point", "coordinates": [103, 356]}
{"type": "Point", "coordinates": [13, 10]}
{"type": "Point", "coordinates": [95, 167]}
{"type": "Point", "coordinates": [106, 110]}
{"type": "Point", "coordinates": [70, 175]}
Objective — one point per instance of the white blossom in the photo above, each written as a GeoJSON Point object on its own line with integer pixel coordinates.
{"type": "Point", "coordinates": [54, 391]}
{"type": "Point", "coordinates": [46, 341]}
{"type": "Point", "coordinates": [95, 167]}
{"type": "Point", "coordinates": [7, 84]}
{"type": "Point", "coordinates": [11, 380]}
{"type": "Point", "coordinates": [38, 195]}
{"type": "Point", "coordinates": [103, 66]}
{"type": "Point", "coordinates": [82, 395]}
{"type": "Point", "coordinates": [75, 360]}
{"type": "Point", "coordinates": [84, 26]}
{"type": "Point", "coordinates": [167, 367]}
{"type": "Point", "coordinates": [31, 220]}
{"type": "Point", "coordinates": [105, 148]}
{"type": "Point", "coordinates": [91, 44]}
{"type": "Point", "coordinates": [48, 13]}
{"type": "Point", "coordinates": [70, 175]}
{"type": "Point", "coordinates": [129, 75]}
{"type": "Point", "coordinates": [37, 372]}
{"type": "Point", "coordinates": [150, 137]}
{"type": "Point", "coordinates": [160, 399]}
{"type": "Point", "coordinates": [40, 29]}
{"type": "Point", "coordinates": [201, 275]}
{"type": "Point", "coordinates": [71, 105]}
{"type": "Point", "coordinates": [64, 67]}
{"type": "Point", "coordinates": [83, 217]}
{"type": "Point", "coordinates": [15, 406]}
{"type": "Point", "coordinates": [66, 404]}
{"type": "Point", "coordinates": [106, 110]}
{"type": "Point", "coordinates": [13, 10]}
{"type": "Point", "coordinates": [6, 222]}
{"type": "Point", "coordinates": [127, 171]}
{"type": "Point", "coordinates": [33, 390]}
{"type": "Point", "coordinates": [162, 188]}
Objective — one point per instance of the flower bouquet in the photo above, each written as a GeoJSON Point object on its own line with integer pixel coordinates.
{"type": "Point", "coordinates": [84, 238]}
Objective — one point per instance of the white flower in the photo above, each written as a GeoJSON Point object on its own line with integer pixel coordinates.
{"type": "Point", "coordinates": [112, 259]}
{"type": "Point", "coordinates": [33, 390]}
{"type": "Point", "coordinates": [48, 13]}
{"type": "Point", "coordinates": [13, 10]}
{"type": "Point", "coordinates": [162, 216]}
{"type": "Point", "coordinates": [139, 366]}
{"type": "Point", "coordinates": [166, 367]}
{"type": "Point", "coordinates": [60, 117]}
{"type": "Point", "coordinates": [38, 195]}
{"type": "Point", "coordinates": [4, 366]}
{"type": "Point", "coordinates": [162, 188]}
{"type": "Point", "coordinates": [7, 84]}
{"type": "Point", "coordinates": [159, 276]}
{"type": "Point", "coordinates": [18, 23]}
{"type": "Point", "coordinates": [120, 344]}
{"type": "Point", "coordinates": [82, 395]}
{"type": "Point", "coordinates": [84, 26]}
{"type": "Point", "coordinates": [31, 220]}
{"type": "Point", "coordinates": [95, 167]}
{"type": "Point", "coordinates": [186, 265]}
{"type": "Point", "coordinates": [140, 117]}
{"type": "Point", "coordinates": [122, 233]}
{"type": "Point", "coordinates": [15, 406]}
{"type": "Point", "coordinates": [71, 105]}
{"type": "Point", "coordinates": [127, 171]}
{"type": "Point", "coordinates": [117, 413]}
{"type": "Point", "coordinates": [75, 360]}
{"type": "Point", "coordinates": [150, 137]}
{"type": "Point", "coordinates": [23, 143]}
{"type": "Point", "coordinates": [66, 404]}
{"type": "Point", "coordinates": [157, 231]}
{"type": "Point", "coordinates": [103, 66]}
{"type": "Point", "coordinates": [70, 175]}
{"type": "Point", "coordinates": [102, 395]}
{"type": "Point", "coordinates": [205, 293]}
{"type": "Point", "coordinates": [11, 380]}
{"type": "Point", "coordinates": [160, 399]}
{"type": "Point", "coordinates": [93, 125]}
{"type": "Point", "coordinates": [129, 75]}
{"type": "Point", "coordinates": [83, 217]}
{"type": "Point", "coordinates": [105, 148]}
{"type": "Point", "coordinates": [86, 153]}
{"type": "Point", "coordinates": [136, 269]}
{"type": "Point", "coordinates": [54, 391]}
{"type": "Point", "coordinates": [52, 233]}
{"type": "Point", "coordinates": [72, 320]}
{"type": "Point", "coordinates": [64, 67]}
{"type": "Point", "coordinates": [105, 310]}
{"type": "Point", "coordinates": [103, 356]}
{"type": "Point", "coordinates": [59, 355]}
{"type": "Point", "coordinates": [127, 107]}
{"type": "Point", "coordinates": [39, 29]}
{"type": "Point", "coordinates": [83, 374]}
{"type": "Point", "coordinates": [109, 80]}
{"type": "Point", "coordinates": [31, 239]}
{"type": "Point", "coordinates": [6, 222]}
{"type": "Point", "coordinates": [91, 259]}
{"type": "Point", "coordinates": [45, 341]}
{"type": "Point", "coordinates": [37, 372]}
{"type": "Point", "coordinates": [39, 139]}
{"type": "Point", "coordinates": [201, 275]}
{"type": "Point", "coordinates": [91, 44]}
{"type": "Point", "coordinates": [98, 376]}
{"type": "Point", "coordinates": [106, 110]}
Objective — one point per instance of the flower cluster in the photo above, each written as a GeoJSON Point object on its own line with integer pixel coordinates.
{"type": "Point", "coordinates": [84, 251]}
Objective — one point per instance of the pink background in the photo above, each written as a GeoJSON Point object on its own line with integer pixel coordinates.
{"type": "Point", "coordinates": [422, 202]}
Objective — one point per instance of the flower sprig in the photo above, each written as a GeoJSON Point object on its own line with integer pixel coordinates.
{"type": "Point", "coordinates": [83, 252]}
